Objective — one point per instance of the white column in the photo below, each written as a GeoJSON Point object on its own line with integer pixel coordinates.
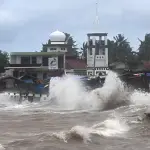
{"type": "Point", "coordinates": [94, 54]}
{"type": "Point", "coordinates": [18, 59]}
{"type": "Point", "coordinates": [106, 52]}
{"type": "Point", "coordinates": [88, 43]}
{"type": "Point", "coordinates": [106, 55]}
{"type": "Point", "coordinates": [105, 40]}
{"type": "Point", "coordinates": [65, 63]}
{"type": "Point", "coordinates": [39, 60]}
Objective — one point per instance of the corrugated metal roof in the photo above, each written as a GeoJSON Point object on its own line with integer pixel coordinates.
{"type": "Point", "coordinates": [75, 64]}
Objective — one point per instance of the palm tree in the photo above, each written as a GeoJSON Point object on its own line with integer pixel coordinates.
{"type": "Point", "coordinates": [144, 48]}
{"type": "Point", "coordinates": [122, 48]}
{"type": "Point", "coordinates": [84, 50]}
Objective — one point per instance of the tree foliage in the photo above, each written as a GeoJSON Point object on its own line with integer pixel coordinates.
{"type": "Point", "coordinates": [119, 49]}
{"type": "Point", "coordinates": [4, 58]}
{"type": "Point", "coordinates": [84, 50]}
{"type": "Point", "coordinates": [144, 48]}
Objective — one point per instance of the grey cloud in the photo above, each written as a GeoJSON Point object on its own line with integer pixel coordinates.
{"type": "Point", "coordinates": [26, 24]}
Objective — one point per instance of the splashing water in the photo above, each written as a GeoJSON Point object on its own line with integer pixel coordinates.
{"type": "Point", "coordinates": [69, 93]}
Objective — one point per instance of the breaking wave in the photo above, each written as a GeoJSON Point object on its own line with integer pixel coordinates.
{"type": "Point", "coordinates": [69, 93]}
{"type": "Point", "coordinates": [108, 128]}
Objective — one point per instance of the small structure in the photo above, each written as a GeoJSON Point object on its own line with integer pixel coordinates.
{"type": "Point", "coordinates": [97, 54]}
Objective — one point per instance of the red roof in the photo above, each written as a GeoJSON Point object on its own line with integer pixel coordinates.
{"type": "Point", "coordinates": [75, 64]}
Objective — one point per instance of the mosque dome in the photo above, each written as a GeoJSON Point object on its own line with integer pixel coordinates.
{"type": "Point", "coordinates": [57, 36]}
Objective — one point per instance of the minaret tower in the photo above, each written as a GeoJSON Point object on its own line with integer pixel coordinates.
{"type": "Point", "coordinates": [97, 52]}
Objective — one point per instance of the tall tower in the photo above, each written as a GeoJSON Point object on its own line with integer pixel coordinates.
{"type": "Point", "coordinates": [97, 52]}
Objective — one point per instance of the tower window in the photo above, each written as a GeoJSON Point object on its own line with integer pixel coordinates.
{"type": "Point", "coordinates": [97, 47]}
{"type": "Point", "coordinates": [90, 51]}
{"type": "Point", "coordinates": [90, 43]}
{"type": "Point", "coordinates": [102, 42]}
{"type": "Point", "coordinates": [103, 51]}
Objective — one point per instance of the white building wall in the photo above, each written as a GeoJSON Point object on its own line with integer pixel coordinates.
{"type": "Point", "coordinates": [18, 59]}
{"type": "Point", "coordinates": [12, 59]}
{"type": "Point", "coordinates": [100, 60]}
{"type": "Point", "coordinates": [106, 51]}
{"type": "Point", "coordinates": [39, 60]}
{"type": "Point", "coordinates": [90, 59]}
{"type": "Point", "coordinates": [15, 59]}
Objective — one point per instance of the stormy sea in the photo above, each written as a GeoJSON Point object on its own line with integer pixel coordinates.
{"type": "Point", "coordinates": [73, 118]}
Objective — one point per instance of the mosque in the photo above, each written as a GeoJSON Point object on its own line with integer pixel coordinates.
{"type": "Point", "coordinates": [56, 60]}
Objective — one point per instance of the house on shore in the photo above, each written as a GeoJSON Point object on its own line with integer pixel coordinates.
{"type": "Point", "coordinates": [54, 61]}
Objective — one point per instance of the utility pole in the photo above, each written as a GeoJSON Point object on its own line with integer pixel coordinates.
{"type": "Point", "coordinates": [96, 23]}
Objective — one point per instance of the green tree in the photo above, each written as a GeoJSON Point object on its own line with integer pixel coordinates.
{"type": "Point", "coordinates": [4, 58]}
{"type": "Point", "coordinates": [122, 48]}
{"type": "Point", "coordinates": [119, 49]}
{"type": "Point", "coordinates": [72, 46]}
{"type": "Point", "coordinates": [111, 51]}
{"type": "Point", "coordinates": [84, 50]}
{"type": "Point", "coordinates": [144, 48]}
{"type": "Point", "coordinates": [44, 48]}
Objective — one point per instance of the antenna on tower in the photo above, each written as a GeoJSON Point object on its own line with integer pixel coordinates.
{"type": "Point", "coordinates": [96, 22]}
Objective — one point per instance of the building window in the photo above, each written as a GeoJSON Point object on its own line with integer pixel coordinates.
{"type": "Point", "coordinates": [45, 61]}
{"type": "Point", "coordinates": [90, 43]}
{"type": "Point", "coordinates": [102, 42]}
{"type": "Point", "coordinates": [33, 60]}
{"type": "Point", "coordinates": [53, 48]}
{"type": "Point", "coordinates": [25, 60]}
{"type": "Point", "coordinates": [63, 49]}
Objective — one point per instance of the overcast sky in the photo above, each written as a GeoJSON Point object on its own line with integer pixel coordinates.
{"type": "Point", "coordinates": [26, 24]}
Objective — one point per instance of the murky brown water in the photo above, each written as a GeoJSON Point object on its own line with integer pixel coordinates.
{"type": "Point", "coordinates": [76, 121]}
{"type": "Point", "coordinates": [27, 128]}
